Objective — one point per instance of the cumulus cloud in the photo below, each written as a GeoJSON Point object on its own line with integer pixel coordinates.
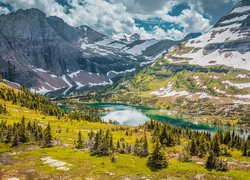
{"type": "Point", "coordinates": [4, 10]}
{"type": "Point", "coordinates": [116, 17]}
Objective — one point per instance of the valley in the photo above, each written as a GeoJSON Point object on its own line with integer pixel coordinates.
{"type": "Point", "coordinates": [64, 161]}
{"type": "Point", "coordinates": [127, 94]}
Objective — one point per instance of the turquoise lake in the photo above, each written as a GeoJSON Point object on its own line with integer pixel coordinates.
{"type": "Point", "coordinates": [137, 115]}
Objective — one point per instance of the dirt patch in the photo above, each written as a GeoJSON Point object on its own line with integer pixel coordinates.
{"type": "Point", "coordinates": [5, 159]}
{"type": "Point", "coordinates": [228, 55]}
{"type": "Point", "coordinates": [239, 165]}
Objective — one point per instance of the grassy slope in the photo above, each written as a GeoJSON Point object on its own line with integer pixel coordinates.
{"type": "Point", "coordinates": [137, 90]}
{"type": "Point", "coordinates": [27, 163]}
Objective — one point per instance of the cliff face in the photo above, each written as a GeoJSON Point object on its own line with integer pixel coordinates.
{"type": "Point", "coordinates": [31, 40]}
{"type": "Point", "coordinates": [46, 54]}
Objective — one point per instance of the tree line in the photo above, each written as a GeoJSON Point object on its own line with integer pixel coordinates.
{"type": "Point", "coordinates": [198, 144]}
{"type": "Point", "coordinates": [22, 132]}
{"type": "Point", "coordinates": [32, 101]}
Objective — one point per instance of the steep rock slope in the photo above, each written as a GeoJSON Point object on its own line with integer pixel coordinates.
{"type": "Point", "coordinates": [46, 54]}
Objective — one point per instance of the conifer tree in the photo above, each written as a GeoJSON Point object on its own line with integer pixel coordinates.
{"type": "Point", "coordinates": [215, 147]}
{"type": "Point", "coordinates": [22, 131]}
{"type": "Point", "coordinates": [245, 149]}
{"type": "Point", "coordinates": [145, 146]}
{"type": "Point", "coordinates": [193, 147]}
{"type": "Point", "coordinates": [211, 161]}
{"type": "Point", "coordinates": [15, 140]}
{"type": "Point", "coordinates": [47, 139]}
{"type": "Point", "coordinates": [79, 141]}
{"type": "Point", "coordinates": [157, 159]}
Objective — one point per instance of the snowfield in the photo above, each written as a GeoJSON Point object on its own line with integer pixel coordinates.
{"type": "Point", "coordinates": [138, 49]}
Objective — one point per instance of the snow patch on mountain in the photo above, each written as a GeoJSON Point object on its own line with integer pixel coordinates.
{"type": "Point", "coordinates": [102, 83]}
{"type": "Point", "coordinates": [240, 9]}
{"type": "Point", "coordinates": [138, 49]}
{"type": "Point", "coordinates": [121, 72]}
{"type": "Point", "coordinates": [236, 19]}
{"type": "Point", "coordinates": [168, 91]}
{"type": "Point", "coordinates": [237, 85]}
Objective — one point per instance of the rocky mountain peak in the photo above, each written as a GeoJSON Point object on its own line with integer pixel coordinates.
{"type": "Point", "coordinates": [245, 3]}
{"type": "Point", "coordinates": [135, 37]}
{"type": "Point", "coordinates": [237, 17]}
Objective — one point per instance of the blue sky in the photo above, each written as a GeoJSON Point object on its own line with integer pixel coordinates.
{"type": "Point", "coordinates": [152, 19]}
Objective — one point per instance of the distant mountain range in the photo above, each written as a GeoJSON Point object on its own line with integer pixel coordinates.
{"type": "Point", "coordinates": [46, 54]}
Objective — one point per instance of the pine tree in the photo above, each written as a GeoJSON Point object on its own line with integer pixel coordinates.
{"type": "Point", "coordinates": [227, 137]}
{"type": "Point", "coordinates": [157, 159]}
{"type": "Point", "coordinates": [47, 139]}
{"type": "Point", "coordinates": [211, 161]}
{"type": "Point", "coordinates": [202, 149]}
{"type": "Point", "coordinates": [215, 147]}
{"type": "Point", "coordinates": [22, 131]}
{"type": "Point", "coordinates": [16, 140]}
{"type": "Point", "coordinates": [214, 163]}
{"type": "Point", "coordinates": [79, 141]}
{"type": "Point", "coordinates": [193, 148]}
{"type": "Point", "coordinates": [145, 146]}
{"type": "Point", "coordinates": [245, 149]}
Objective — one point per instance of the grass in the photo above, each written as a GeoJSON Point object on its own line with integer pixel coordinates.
{"type": "Point", "coordinates": [28, 165]}
{"type": "Point", "coordinates": [86, 166]}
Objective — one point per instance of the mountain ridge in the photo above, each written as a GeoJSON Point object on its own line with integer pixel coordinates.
{"type": "Point", "coordinates": [46, 54]}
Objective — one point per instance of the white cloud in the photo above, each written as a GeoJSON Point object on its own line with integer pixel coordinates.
{"type": "Point", "coordinates": [115, 17]}
{"type": "Point", "coordinates": [4, 10]}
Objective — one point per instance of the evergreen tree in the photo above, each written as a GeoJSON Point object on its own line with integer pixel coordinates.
{"type": "Point", "coordinates": [211, 161]}
{"type": "Point", "coordinates": [79, 141]}
{"type": "Point", "coordinates": [145, 146]}
{"type": "Point", "coordinates": [227, 137]}
{"type": "Point", "coordinates": [214, 163]}
{"type": "Point", "coordinates": [47, 139]}
{"type": "Point", "coordinates": [15, 140]}
{"type": "Point", "coordinates": [202, 149]}
{"type": "Point", "coordinates": [215, 146]}
{"type": "Point", "coordinates": [245, 149]}
{"type": "Point", "coordinates": [22, 132]}
{"type": "Point", "coordinates": [193, 147]}
{"type": "Point", "coordinates": [157, 159]}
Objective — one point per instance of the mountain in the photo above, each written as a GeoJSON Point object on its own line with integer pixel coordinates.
{"type": "Point", "coordinates": [126, 38]}
{"type": "Point", "coordinates": [227, 43]}
{"type": "Point", "coordinates": [46, 54]}
{"type": "Point", "coordinates": [206, 78]}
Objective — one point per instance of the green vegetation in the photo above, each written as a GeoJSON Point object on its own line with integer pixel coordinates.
{"type": "Point", "coordinates": [3, 109]}
{"type": "Point", "coordinates": [157, 159]}
{"type": "Point", "coordinates": [210, 98]}
{"type": "Point", "coordinates": [20, 133]}
{"type": "Point", "coordinates": [89, 149]}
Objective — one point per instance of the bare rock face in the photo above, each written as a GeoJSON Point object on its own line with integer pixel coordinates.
{"type": "Point", "coordinates": [46, 54]}
{"type": "Point", "coordinates": [30, 39]}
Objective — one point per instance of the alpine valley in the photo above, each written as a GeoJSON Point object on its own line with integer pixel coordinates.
{"type": "Point", "coordinates": [77, 104]}
{"type": "Point", "coordinates": [204, 77]}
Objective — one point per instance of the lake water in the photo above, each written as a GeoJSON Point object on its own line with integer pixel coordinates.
{"type": "Point", "coordinates": [137, 115]}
